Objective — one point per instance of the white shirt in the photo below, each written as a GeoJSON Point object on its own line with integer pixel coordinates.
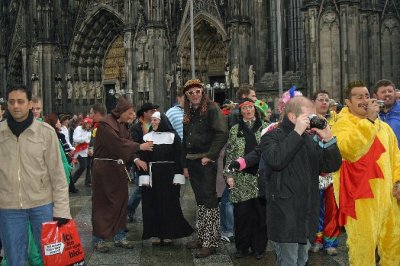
{"type": "Point", "coordinates": [81, 136]}
{"type": "Point", "coordinates": [64, 130]}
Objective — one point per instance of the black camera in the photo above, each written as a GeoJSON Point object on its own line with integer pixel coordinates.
{"type": "Point", "coordinates": [381, 104]}
{"type": "Point", "coordinates": [317, 122]}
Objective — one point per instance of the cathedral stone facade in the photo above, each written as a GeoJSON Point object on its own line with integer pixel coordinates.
{"type": "Point", "coordinates": [74, 53]}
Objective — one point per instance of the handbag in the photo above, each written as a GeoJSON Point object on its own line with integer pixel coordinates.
{"type": "Point", "coordinates": [61, 245]}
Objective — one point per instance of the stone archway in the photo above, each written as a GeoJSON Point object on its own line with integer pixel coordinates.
{"type": "Point", "coordinates": [210, 52]}
{"type": "Point", "coordinates": [96, 36]}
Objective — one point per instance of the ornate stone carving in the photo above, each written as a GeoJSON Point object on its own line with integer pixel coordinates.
{"type": "Point", "coordinates": [99, 89]}
{"type": "Point", "coordinates": [390, 24]}
{"type": "Point", "coordinates": [235, 77]}
{"type": "Point", "coordinates": [252, 74]}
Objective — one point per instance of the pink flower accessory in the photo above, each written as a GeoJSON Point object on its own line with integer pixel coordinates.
{"type": "Point", "coordinates": [286, 96]}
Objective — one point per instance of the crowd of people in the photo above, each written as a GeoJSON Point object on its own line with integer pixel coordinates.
{"type": "Point", "coordinates": [294, 178]}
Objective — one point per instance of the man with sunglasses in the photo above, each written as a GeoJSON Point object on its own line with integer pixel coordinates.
{"type": "Point", "coordinates": [205, 132]}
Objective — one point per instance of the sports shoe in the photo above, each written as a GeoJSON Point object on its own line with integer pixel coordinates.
{"type": "Point", "coordinates": [123, 244]}
{"type": "Point", "coordinates": [331, 251]}
{"type": "Point", "coordinates": [101, 247]}
{"type": "Point", "coordinates": [225, 238]}
{"type": "Point", "coordinates": [316, 247]}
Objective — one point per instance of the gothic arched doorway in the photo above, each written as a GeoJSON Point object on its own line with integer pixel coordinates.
{"type": "Point", "coordinates": [210, 55]}
{"type": "Point", "coordinates": [114, 75]}
{"type": "Point", "coordinates": [97, 38]}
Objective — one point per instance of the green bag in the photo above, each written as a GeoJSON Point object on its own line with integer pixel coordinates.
{"type": "Point", "coordinates": [67, 166]}
{"type": "Point", "coordinates": [34, 253]}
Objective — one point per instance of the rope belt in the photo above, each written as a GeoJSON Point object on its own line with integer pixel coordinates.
{"type": "Point", "coordinates": [119, 161]}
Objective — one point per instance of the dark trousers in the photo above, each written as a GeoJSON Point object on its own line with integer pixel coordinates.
{"type": "Point", "coordinates": [82, 166]}
{"type": "Point", "coordinates": [88, 178]}
{"type": "Point", "coordinates": [136, 196]}
{"type": "Point", "coordinates": [250, 225]}
{"type": "Point", "coordinates": [203, 181]}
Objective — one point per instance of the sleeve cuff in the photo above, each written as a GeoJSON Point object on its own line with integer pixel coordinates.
{"type": "Point", "coordinates": [179, 179]}
{"type": "Point", "coordinates": [323, 144]}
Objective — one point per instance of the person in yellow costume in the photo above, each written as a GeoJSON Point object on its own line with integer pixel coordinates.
{"type": "Point", "coordinates": [367, 186]}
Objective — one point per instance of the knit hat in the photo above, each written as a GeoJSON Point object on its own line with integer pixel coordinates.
{"type": "Point", "coordinates": [156, 115]}
{"type": "Point", "coordinates": [122, 106]}
{"type": "Point", "coordinates": [262, 107]}
{"type": "Point", "coordinates": [192, 83]}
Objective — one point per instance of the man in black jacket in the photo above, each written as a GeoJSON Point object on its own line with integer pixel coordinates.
{"type": "Point", "coordinates": [293, 158]}
{"type": "Point", "coordinates": [205, 132]}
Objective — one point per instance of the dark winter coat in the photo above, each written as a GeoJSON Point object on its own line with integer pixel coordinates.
{"type": "Point", "coordinates": [292, 167]}
{"type": "Point", "coordinates": [205, 135]}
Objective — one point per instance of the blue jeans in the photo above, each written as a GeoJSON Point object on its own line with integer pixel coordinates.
{"type": "Point", "coordinates": [226, 214]}
{"type": "Point", "coordinates": [120, 235]}
{"type": "Point", "coordinates": [14, 230]}
{"type": "Point", "coordinates": [291, 254]}
{"type": "Point", "coordinates": [136, 196]}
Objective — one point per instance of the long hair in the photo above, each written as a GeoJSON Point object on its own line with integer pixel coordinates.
{"type": "Point", "coordinates": [187, 108]}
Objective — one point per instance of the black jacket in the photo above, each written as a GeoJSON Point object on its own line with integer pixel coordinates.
{"type": "Point", "coordinates": [205, 135]}
{"type": "Point", "coordinates": [292, 166]}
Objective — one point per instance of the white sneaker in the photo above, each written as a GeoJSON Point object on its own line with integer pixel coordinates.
{"type": "Point", "coordinates": [225, 238]}
{"type": "Point", "coordinates": [316, 247]}
{"type": "Point", "coordinates": [331, 251]}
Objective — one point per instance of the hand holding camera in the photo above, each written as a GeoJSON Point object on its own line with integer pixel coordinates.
{"type": "Point", "coordinates": [373, 109]}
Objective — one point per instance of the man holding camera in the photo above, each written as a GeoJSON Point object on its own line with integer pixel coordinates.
{"type": "Point", "coordinates": [385, 92]}
{"type": "Point", "coordinates": [368, 183]}
{"type": "Point", "coordinates": [294, 158]}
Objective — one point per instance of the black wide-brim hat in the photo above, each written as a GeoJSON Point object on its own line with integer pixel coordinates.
{"type": "Point", "coordinates": [146, 107]}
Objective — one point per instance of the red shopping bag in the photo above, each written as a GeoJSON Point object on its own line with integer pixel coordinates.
{"type": "Point", "coordinates": [61, 245]}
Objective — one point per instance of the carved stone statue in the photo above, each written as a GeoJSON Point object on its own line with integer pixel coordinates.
{"type": "Point", "coordinates": [227, 78]}
{"type": "Point", "coordinates": [83, 89]}
{"type": "Point", "coordinates": [91, 90]}
{"type": "Point", "coordinates": [178, 79]}
{"type": "Point", "coordinates": [235, 77]}
{"type": "Point", "coordinates": [70, 89]}
{"type": "Point", "coordinates": [99, 88]}
{"type": "Point", "coordinates": [168, 80]}
{"type": "Point", "coordinates": [252, 73]}
{"type": "Point", "coordinates": [117, 86]}
{"type": "Point", "coordinates": [77, 90]}
{"type": "Point", "coordinates": [58, 90]}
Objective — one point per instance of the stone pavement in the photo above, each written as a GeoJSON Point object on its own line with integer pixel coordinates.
{"type": "Point", "coordinates": [177, 254]}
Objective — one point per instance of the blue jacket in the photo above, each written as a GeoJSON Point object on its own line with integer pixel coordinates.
{"type": "Point", "coordinates": [393, 119]}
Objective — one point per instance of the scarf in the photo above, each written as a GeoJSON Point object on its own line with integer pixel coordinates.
{"type": "Point", "coordinates": [250, 140]}
{"type": "Point", "coordinates": [18, 127]}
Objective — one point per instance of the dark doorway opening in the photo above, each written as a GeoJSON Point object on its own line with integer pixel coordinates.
{"type": "Point", "coordinates": [111, 101]}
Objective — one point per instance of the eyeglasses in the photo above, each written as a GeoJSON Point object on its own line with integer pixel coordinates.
{"type": "Point", "coordinates": [190, 93]}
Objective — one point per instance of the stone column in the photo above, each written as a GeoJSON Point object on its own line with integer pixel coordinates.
{"type": "Point", "coordinates": [239, 25]}
{"type": "Point", "coordinates": [260, 31]}
{"type": "Point", "coordinates": [311, 48]}
{"type": "Point", "coordinates": [157, 53]}
{"type": "Point", "coordinates": [45, 52]}
{"type": "Point", "coordinates": [349, 25]}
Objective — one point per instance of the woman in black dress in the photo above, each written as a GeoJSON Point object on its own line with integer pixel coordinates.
{"type": "Point", "coordinates": [162, 214]}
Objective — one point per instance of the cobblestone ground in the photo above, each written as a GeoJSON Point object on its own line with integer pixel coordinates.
{"type": "Point", "coordinates": [177, 254]}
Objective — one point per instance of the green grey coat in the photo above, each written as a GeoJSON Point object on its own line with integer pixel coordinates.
{"type": "Point", "coordinates": [246, 185]}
